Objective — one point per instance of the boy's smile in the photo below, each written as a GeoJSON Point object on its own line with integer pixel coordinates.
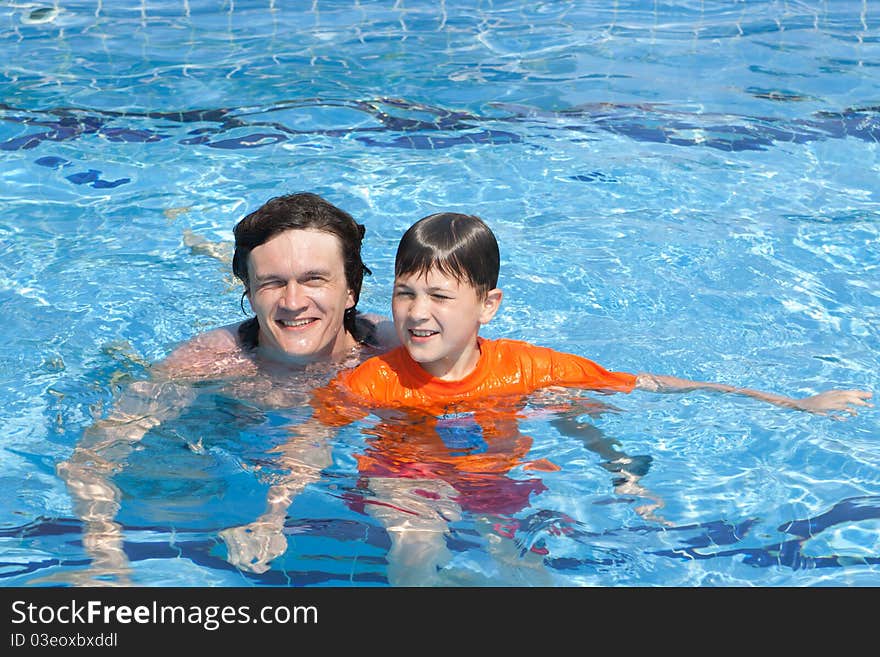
{"type": "Point", "coordinates": [419, 335]}
{"type": "Point", "coordinates": [438, 318]}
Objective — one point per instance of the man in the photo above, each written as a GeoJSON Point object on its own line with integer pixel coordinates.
{"type": "Point", "coordinates": [299, 259]}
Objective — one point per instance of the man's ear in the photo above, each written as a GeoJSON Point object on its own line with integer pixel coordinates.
{"type": "Point", "coordinates": [490, 305]}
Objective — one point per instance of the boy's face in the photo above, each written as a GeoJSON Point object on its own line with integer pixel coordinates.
{"type": "Point", "coordinates": [438, 318]}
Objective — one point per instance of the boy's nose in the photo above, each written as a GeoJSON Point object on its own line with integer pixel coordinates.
{"type": "Point", "coordinates": [418, 309]}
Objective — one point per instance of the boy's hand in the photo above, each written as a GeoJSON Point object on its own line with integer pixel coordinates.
{"type": "Point", "coordinates": [835, 400]}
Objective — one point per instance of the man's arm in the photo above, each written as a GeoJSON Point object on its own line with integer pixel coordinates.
{"type": "Point", "coordinates": [253, 546]}
{"type": "Point", "coordinates": [100, 454]}
{"type": "Point", "coordinates": [824, 403]}
{"type": "Point", "coordinates": [105, 445]}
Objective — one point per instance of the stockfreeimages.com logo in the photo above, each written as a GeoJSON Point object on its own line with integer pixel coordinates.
{"type": "Point", "coordinates": [210, 617]}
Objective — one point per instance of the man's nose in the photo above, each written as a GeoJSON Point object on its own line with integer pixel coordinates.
{"type": "Point", "coordinates": [294, 296]}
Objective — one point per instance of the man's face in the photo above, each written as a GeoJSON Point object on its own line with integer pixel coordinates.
{"type": "Point", "coordinates": [298, 290]}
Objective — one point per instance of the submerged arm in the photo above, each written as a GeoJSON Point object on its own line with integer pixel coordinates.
{"type": "Point", "coordinates": [821, 404]}
{"type": "Point", "coordinates": [101, 453]}
{"type": "Point", "coordinates": [254, 545]}
{"type": "Point", "coordinates": [144, 405]}
{"type": "Point", "coordinates": [106, 444]}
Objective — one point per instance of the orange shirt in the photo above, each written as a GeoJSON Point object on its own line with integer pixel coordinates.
{"type": "Point", "coordinates": [506, 367]}
{"type": "Point", "coordinates": [465, 432]}
{"type": "Point", "coordinates": [489, 396]}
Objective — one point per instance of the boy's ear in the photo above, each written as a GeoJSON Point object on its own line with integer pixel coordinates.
{"type": "Point", "coordinates": [490, 305]}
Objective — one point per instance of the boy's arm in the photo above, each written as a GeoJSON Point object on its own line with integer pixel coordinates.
{"type": "Point", "coordinates": [823, 403]}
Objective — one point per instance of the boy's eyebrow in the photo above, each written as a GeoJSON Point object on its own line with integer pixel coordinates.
{"type": "Point", "coordinates": [433, 288]}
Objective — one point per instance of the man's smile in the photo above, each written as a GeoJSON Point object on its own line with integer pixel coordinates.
{"type": "Point", "coordinates": [296, 323]}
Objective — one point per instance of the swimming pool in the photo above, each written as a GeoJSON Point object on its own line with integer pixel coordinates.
{"type": "Point", "coordinates": [686, 188]}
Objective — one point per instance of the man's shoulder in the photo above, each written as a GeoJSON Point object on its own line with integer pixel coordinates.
{"type": "Point", "coordinates": [223, 339]}
{"type": "Point", "coordinates": [203, 353]}
{"type": "Point", "coordinates": [378, 331]}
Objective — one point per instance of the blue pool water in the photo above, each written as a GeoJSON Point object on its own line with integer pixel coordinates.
{"type": "Point", "coordinates": [684, 188]}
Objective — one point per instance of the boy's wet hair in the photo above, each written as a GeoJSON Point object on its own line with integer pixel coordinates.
{"type": "Point", "coordinates": [303, 211]}
{"type": "Point", "coordinates": [459, 245]}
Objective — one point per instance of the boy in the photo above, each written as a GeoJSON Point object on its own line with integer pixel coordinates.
{"type": "Point", "coordinates": [446, 273]}
{"type": "Point", "coordinates": [448, 400]}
